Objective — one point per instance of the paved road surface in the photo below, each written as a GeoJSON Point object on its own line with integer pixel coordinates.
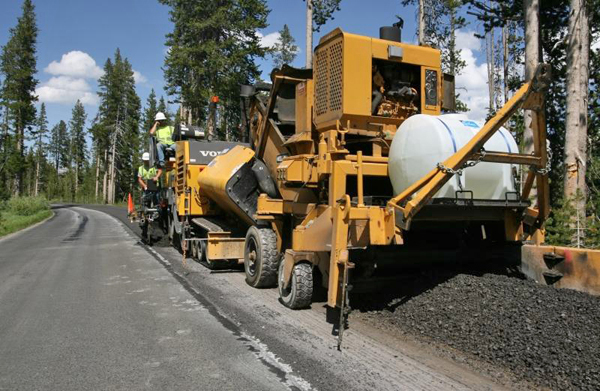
{"type": "Point", "coordinates": [84, 306]}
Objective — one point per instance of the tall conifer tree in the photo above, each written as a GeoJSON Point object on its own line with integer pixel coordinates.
{"type": "Point", "coordinates": [40, 134]}
{"type": "Point", "coordinates": [78, 142]}
{"type": "Point", "coordinates": [60, 146]}
{"type": "Point", "coordinates": [18, 67]}
{"type": "Point", "coordinates": [118, 133]}
{"type": "Point", "coordinates": [285, 50]}
{"type": "Point", "coordinates": [213, 47]}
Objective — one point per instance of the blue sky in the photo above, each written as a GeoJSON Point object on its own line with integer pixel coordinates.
{"type": "Point", "coordinates": [76, 37]}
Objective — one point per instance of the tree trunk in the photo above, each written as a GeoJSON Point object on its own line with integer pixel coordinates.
{"type": "Point", "coordinates": [111, 188]}
{"type": "Point", "coordinates": [309, 33]}
{"type": "Point", "coordinates": [29, 184]}
{"type": "Point", "coordinates": [421, 22]}
{"type": "Point", "coordinates": [532, 60]}
{"type": "Point", "coordinates": [4, 138]}
{"type": "Point", "coordinates": [576, 117]}
{"type": "Point", "coordinates": [76, 179]}
{"type": "Point", "coordinates": [97, 175]}
{"type": "Point", "coordinates": [452, 41]}
{"type": "Point", "coordinates": [37, 177]}
{"type": "Point", "coordinates": [489, 52]}
{"type": "Point", "coordinates": [105, 178]}
{"type": "Point", "coordinates": [20, 145]}
{"type": "Point", "coordinates": [505, 61]}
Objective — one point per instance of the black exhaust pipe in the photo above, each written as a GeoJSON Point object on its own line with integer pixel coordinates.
{"type": "Point", "coordinates": [392, 33]}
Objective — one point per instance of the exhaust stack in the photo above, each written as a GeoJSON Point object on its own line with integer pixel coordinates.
{"type": "Point", "coordinates": [392, 33]}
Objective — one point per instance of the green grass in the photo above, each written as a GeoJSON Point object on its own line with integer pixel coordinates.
{"type": "Point", "coordinates": [19, 213]}
{"type": "Point", "coordinates": [12, 223]}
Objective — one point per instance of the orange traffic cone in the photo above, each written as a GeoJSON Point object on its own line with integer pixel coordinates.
{"type": "Point", "coordinates": [129, 204]}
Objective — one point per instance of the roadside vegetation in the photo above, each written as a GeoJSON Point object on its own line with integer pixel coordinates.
{"type": "Point", "coordinates": [20, 212]}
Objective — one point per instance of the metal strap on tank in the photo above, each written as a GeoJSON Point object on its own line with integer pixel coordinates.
{"type": "Point", "coordinates": [458, 181]}
{"type": "Point", "coordinates": [505, 140]}
{"type": "Point", "coordinates": [450, 133]}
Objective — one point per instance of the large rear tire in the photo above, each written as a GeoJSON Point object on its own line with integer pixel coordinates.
{"type": "Point", "coordinates": [261, 257]}
{"type": "Point", "coordinates": [299, 292]}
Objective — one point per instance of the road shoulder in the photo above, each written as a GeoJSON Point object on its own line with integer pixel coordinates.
{"type": "Point", "coordinates": [28, 228]}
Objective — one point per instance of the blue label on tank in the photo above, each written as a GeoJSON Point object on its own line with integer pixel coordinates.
{"type": "Point", "coordinates": [470, 124]}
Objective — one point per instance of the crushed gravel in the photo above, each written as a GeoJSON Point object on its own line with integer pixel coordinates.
{"type": "Point", "coordinates": [542, 334]}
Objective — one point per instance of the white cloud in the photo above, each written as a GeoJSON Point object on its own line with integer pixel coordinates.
{"type": "Point", "coordinates": [269, 40]}
{"type": "Point", "coordinates": [66, 90]}
{"type": "Point", "coordinates": [75, 64]}
{"type": "Point", "coordinates": [139, 78]}
{"type": "Point", "coordinates": [472, 83]}
{"type": "Point", "coordinates": [467, 40]}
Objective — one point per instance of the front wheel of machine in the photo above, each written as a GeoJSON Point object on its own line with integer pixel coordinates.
{"type": "Point", "coordinates": [299, 291]}
{"type": "Point", "coordinates": [261, 257]}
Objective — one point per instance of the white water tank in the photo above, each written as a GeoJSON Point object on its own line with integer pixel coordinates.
{"type": "Point", "coordinates": [423, 141]}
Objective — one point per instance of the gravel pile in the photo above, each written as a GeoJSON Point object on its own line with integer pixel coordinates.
{"type": "Point", "coordinates": [542, 334]}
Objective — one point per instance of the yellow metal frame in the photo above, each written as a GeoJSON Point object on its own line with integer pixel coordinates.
{"type": "Point", "coordinates": [312, 179]}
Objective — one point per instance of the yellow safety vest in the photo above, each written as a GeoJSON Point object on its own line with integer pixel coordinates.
{"type": "Point", "coordinates": [164, 134]}
{"type": "Point", "coordinates": [147, 174]}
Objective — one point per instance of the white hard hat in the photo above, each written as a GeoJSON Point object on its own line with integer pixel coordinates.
{"type": "Point", "coordinates": [145, 156]}
{"type": "Point", "coordinates": [160, 116]}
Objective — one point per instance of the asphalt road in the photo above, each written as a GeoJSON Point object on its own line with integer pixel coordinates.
{"type": "Point", "coordinates": [84, 306]}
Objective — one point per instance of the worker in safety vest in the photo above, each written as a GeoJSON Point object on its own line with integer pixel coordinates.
{"type": "Point", "coordinates": [146, 174]}
{"type": "Point", "coordinates": [164, 137]}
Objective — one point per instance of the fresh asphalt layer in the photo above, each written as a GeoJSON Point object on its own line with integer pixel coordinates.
{"type": "Point", "coordinates": [84, 306]}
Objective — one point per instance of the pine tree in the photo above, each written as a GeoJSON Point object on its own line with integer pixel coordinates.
{"type": "Point", "coordinates": [553, 40]}
{"type": "Point", "coordinates": [117, 134]}
{"type": "Point", "coordinates": [18, 66]}
{"type": "Point", "coordinates": [213, 47]}
{"type": "Point", "coordinates": [285, 50]}
{"type": "Point", "coordinates": [40, 135]}
{"type": "Point", "coordinates": [78, 142]}
{"type": "Point", "coordinates": [60, 146]}
{"type": "Point", "coordinates": [148, 119]}
{"type": "Point", "coordinates": [150, 112]}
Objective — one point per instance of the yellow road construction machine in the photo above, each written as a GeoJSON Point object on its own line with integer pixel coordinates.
{"type": "Point", "coordinates": [352, 168]}
{"type": "Point", "coordinates": [197, 224]}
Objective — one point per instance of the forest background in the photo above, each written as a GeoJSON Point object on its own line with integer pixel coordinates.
{"type": "Point", "coordinates": [92, 154]}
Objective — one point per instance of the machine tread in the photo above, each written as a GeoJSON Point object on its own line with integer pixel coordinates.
{"type": "Point", "coordinates": [269, 259]}
{"type": "Point", "coordinates": [301, 292]}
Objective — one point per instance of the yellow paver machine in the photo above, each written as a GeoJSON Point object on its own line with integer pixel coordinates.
{"type": "Point", "coordinates": [353, 167]}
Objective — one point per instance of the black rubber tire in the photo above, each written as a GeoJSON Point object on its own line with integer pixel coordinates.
{"type": "Point", "coordinates": [261, 257]}
{"type": "Point", "coordinates": [299, 292]}
{"type": "Point", "coordinates": [145, 235]}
